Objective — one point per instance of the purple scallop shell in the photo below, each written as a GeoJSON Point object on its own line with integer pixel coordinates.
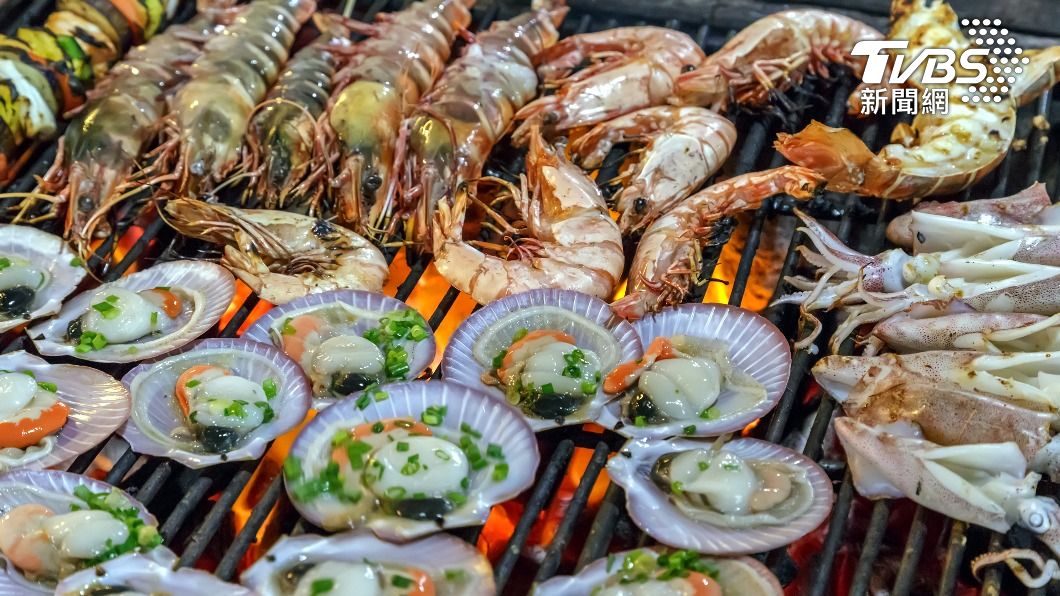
{"type": "Point", "coordinates": [730, 571]}
{"type": "Point", "coordinates": [48, 252]}
{"type": "Point", "coordinates": [756, 347]}
{"type": "Point", "coordinates": [651, 509]}
{"type": "Point", "coordinates": [422, 356]}
{"type": "Point", "coordinates": [154, 573]}
{"type": "Point", "coordinates": [433, 554]}
{"type": "Point", "coordinates": [213, 284]}
{"type": "Point", "coordinates": [155, 415]}
{"type": "Point", "coordinates": [98, 403]}
{"type": "Point", "coordinates": [459, 363]}
{"type": "Point", "coordinates": [53, 489]}
{"type": "Point", "coordinates": [495, 419]}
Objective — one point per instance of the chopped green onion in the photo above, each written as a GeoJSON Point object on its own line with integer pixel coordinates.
{"type": "Point", "coordinates": [45, 385]}
{"type": "Point", "coordinates": [465, 427]}
{"type": "Point", "coordinates": [457, 499]}
{"type": "Point", "coordinates": [363, 401]}
{"type": "Point", "coordinates": [378, 427]}
{"type": "Point", "coordinates": [521, 333]}
{"type": "Point", "coordinates": [500, 472]}
{"type": "Point", "coordinates": [675, 487]}
{"type": "Point", "coordinates": [547, 389]}
{"type": "Point", "coordinates": [154, 318]}
{"type": "Point", "coordinates": [690, 429]}
{"type": "Point", "coordinates": [292, 468]}
{"type": "Point", "coordinates": [74, 262]}
{"type": "Point", "coordinates": [400, 581]}
{"type": "Point", "coordinates": [395, 492]}
{"type": "Point", "coordinates": [287, 328]}
{"type": "Point", "coordinates": [495, 451]}
{"type": "Point", "coordinates": [321, 586]}
{"type": "Point", "coordinates": [267, 412]}
{"type": "Point", "coordinates": [710, 413]}
{"type": "Point", "coordinates": [441, 454]}
{"type": "Point", "coordinates": [640, 421]}
{"type": "Point", "coordinates": [588, 387]}
{"type": "Point", "coordinates": [193, 383]}
{"type": "Point", "coordinates": [269, 387]}
{"type": "Point", "coordinates": [434, 415]}
{"type": "Point", "coordinates": [455, 575]}
{"type": "Point", "coordinates": [703, 466]}
{"type": "Point", "coordinates": [4, 263]}
{"type": "Point", "coordinates": [402, 446]}
{"type": "Point", "coordinates": [730, 466]}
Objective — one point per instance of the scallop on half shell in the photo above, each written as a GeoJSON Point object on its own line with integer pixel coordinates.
{"type": "Point", "coordinates": [347, 340]}
{"type": "Point", "coordinates": [738, 575]}
{"type": "Point", "coordinates": [732, 368]}
{"type": "Point", "coordinates": [153, 573]}
{"type": "Point", "coordinates": [37, 270]}
{"type": "Point", "coordinates": [92, 403]}
{"type": "Point", "coordinates": [215, 401]}
{"type": "Point", "coordinates": [746, 496]}
{"type": "Point", "coordinates": [415, 458]}
{"type": "Point", "coordinates": [545, 351]}
{"type": "Point", "coordinates": [58, 492]}
{"type": "Point", "coordinates": [140, 316]}
{"type": "Point", "coordinates": [358, 562]}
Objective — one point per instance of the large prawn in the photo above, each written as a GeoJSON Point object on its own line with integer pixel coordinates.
{"type": "Point", "coordinates": [568, 239]}
{"type": "Point", "coordinates": [771, 55]}
{"type": "Point", "coordinates": [682, 148]}
{"type": "Point", "coordinates": [630, 68]}
{"type": "Point", "coordinates": [375, 91]}
{"type": "Point", "coordinates": [455, 126]}
{"type": "Point", "coordinates": [282, 255]}
{"type": "Point", "coordinates": [667, 260]}
{"type": "Point", "coordinates": [209, 115]}
{"type": "Point", "coordinates": [283, 134]}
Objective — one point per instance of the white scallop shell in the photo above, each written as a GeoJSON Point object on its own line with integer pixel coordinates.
{"type": "Point", "coordinates": [155, 415]}
{"type": "Point", "coordinates": [756, 347]}
{"type": "Point", "coordinates": [652, 511]}
{"type": "Point", "coordinates": [495, 419]}
{"type": "Point", "coordinates": [55, 490]}
{"type": "Point", "coordinates": [211, 286]}
{"type": "Point", "coordinates": [49, 253]}
{"type": "Point", "coordinates": [420, 359]}
{"type": "Point", "coordinates": [737, 575]}
{"type": "Point", "coordinates": [460, 365]}
{"type": "Point", "coordinates": [433, 554]}
{"type": "Point", "coordinates": [153, 573]}
{"type": "Point", "coordinates": [98, 403]}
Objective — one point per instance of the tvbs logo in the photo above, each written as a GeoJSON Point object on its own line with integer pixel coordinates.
{"type": "Point", "coordinates": [988, 68]}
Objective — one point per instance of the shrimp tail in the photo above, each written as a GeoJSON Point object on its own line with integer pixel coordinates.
{"type": "Point", "coordinates": [840, 156]}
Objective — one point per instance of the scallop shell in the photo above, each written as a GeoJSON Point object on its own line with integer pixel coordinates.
{"type": "Point", "coordinates": [98, 403]}
{"type": "Point", "coordinates": [736, 575]}
{"type": "Point", "coordinates": [53, 489]}
{"type": "Point", "coordinates": [211, 285]}
{"type": "Point", "coordinates": [153, 573]}
{"type": "Point", "coordinates": [433, 554]}
{"type": "Point", "coordinates": [756, 347]}
{"type": "Point", "coordinates": [420, 359]}
{"type": "Point", "coordinates": [651, 508]}
{"type": "Point", "coordinates": [460, 365]}
{"type": "Point", "coordinates": [497, 421]}
{"type": "Point", "coordinates": [155, 415]}
{"type": "Point", "coordinates": [49, 252]}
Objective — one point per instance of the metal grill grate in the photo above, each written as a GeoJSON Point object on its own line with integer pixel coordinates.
{"type": "Point", "coordinates": [196, 506]}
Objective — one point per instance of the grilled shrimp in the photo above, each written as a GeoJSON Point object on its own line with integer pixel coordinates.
{"type": "Point", "coordinates": [1038, 76]}
{"type": "Point", "coordinates": [771, 55]}
{"type": "Point", "coordinates": [283, 134]}
{"type": "Point", "coordinates": [455, 126]}
{"type": "Point", "coordinates": [209, 115]}
{"type": "Point", "coordinates": [374, 92]}
{"type": "Point", "coordinates": [682, 148]}
{"type": "Point", "coordinates": [282, 255]}
{"type": "Point", "coordinates": [667, 259]}
{"type": "Point", "coordinates": [571, 242]}
{"type": "Point", "coordinates": [638, 67]}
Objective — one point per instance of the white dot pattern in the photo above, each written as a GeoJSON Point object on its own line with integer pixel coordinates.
{"type": "Point", "coordinates": [1002, 53]}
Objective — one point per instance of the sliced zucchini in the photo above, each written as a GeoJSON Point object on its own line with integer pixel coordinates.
{"type": "Point", "coordinates": [102, 14]}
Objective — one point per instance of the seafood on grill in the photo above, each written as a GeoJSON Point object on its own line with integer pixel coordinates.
{"type": "Point", "coordinates": [281, 255]}
{"type": "Point", "coordinates": [681, 149]}
{"type": "Point", "coordinates": [416, 459]}
{"type": "Point", "coordinates": [545, 352]}
{"type": "Point", "coordinates": [209, 115]}
{"type": "Point", "coordinates": [661, 571]}
{"type": "Point", "coordinates": [708, 369]}
{"type": "Point", "coordinates": [56, 523]}
{"type": "Point", "coordinates": [453, 128]}
{"type": "Point", "coordinates": [379, 86]}
{"type": "Point", "coordinates": [666, 263]}
{"type": "Point", "coordinates": [739, 497]}
{"type": "Point", "coordinates": [359, 563]}
{"type": "Point", "coordinates": [348, 341]}
{"type": "Point", "coordinates": [139, 316]}
{"type": "Point", "coordinates": [1017, 275]}
{"type": "Point", "coordinates": [218, 400]}
{"type": "Point", "coordinates": [953, 325]}
{"type": "Point", "coordinates": [283, 134]}
{"type": "Point", "coordinates": [1039, 75]}
{"type": "Point", "coordinates": [567, 238]}
{"type": "Point", "coordinates": [937, 226]}
{"type": "Point", "coordinates": [155, 573]}
{"type": "Point", "coordinates": [771, 55]}
{"type": "Point", "coordinates": [37, 271]}
{"type": "Point", "coordinates": [51, 413]}
{"type": "Point", "coordinates": [629, 68]}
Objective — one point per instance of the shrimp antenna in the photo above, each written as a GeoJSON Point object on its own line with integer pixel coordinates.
{"type": "Point", "coordinates": [347, 8]}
